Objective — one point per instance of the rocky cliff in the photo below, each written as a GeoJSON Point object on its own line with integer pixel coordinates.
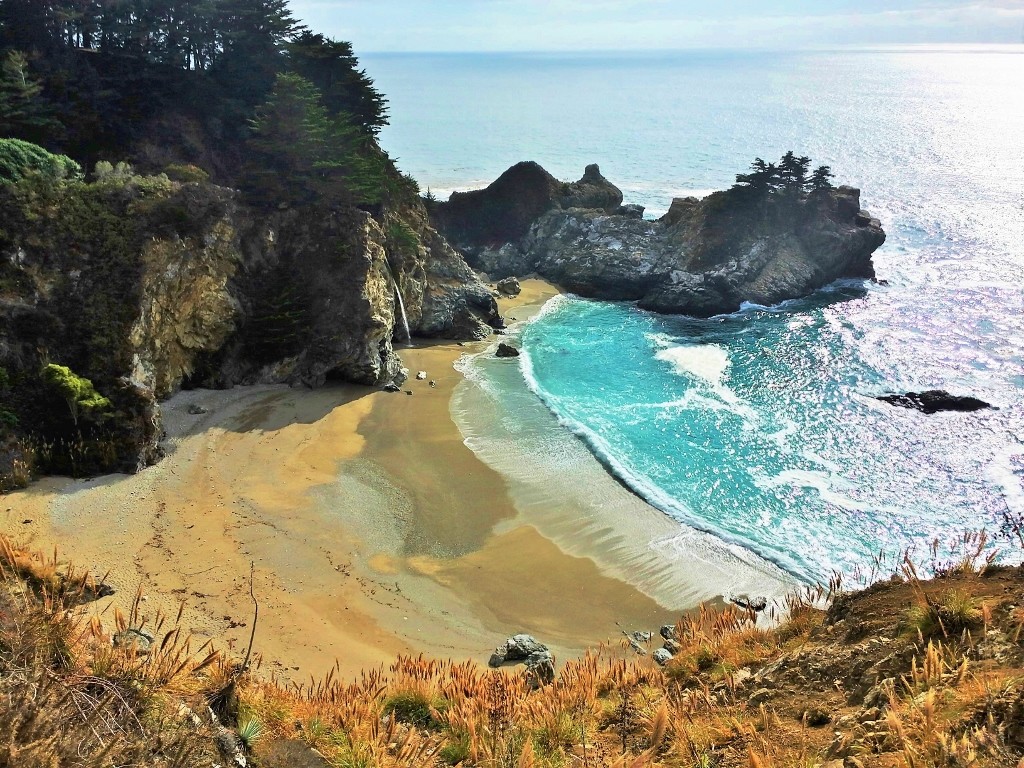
{"type": "Point", "coordinates": [144, 285]}
{"type": "Point", "coordinates": [704, 257]}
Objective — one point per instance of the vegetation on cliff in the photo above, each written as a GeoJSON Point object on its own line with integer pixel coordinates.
{"type": "Point", "coordinates": [908, 673]}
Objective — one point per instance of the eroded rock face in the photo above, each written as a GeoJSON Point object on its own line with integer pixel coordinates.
{"type": "Point", "coordinates": [704, 257]}
{"type": "Point", "coordinates": [505, 211]}
{"type": "Point", "coordinates": [205, 291]}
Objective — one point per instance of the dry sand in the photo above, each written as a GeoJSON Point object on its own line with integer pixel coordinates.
{"type": "Point", "coordinates": [373, 528]}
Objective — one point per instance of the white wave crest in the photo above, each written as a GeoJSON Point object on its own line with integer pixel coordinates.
{"type": "Point", "coordinates": [707, 361]}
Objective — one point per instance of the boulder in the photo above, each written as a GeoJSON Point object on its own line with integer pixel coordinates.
{"type": "Point", "coordinates": [668, 632]}
{"type": "Point", "coordinates": [518, 648]}
{"type": "Point", "coordinates": [630, 211]}
{"type": "Point", "coordinates": [421, 376]}
{"type": "Point", "coordinates": [935, 401]}
{"type": "Point", "coordinates": [134, 638]}
{"type": "Point", "coordinates": [506, 350]}
{"type": "Point", "coordinates": [509, 287]}
{"type": "Point", "coordinates": [540, 669]}
{"type": "Point", "coordinates": [755, 604]}
{"type": "Point", "coordinates": [661, 656]}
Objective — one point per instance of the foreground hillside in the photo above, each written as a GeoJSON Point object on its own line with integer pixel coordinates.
{"type": "Point", "coordinates": [907, 673]}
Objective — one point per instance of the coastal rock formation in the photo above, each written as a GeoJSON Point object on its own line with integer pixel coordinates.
{"type": "Point", "coordinates": [506, 210]}
{"type": "Point", "coordinates": [703, 257]}
{"type": "Point", "coordinates": [145, 286]}
{"type": "Point", "coordinates": [935, 401]}
{"type": "Point", "coordinates": [506, 350]}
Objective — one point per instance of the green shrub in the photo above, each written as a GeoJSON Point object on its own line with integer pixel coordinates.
{"type": "Point", "coordinates": [19, 159]}
{"type": "Point", "coordinates": [414, 708]}
{"type": "Point", "coordinates": [186, 174]}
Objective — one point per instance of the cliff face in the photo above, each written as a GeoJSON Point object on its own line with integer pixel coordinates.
{"type": "Point", "coordinates": [703, 257]}
{"type": "Point", "coordinates": [144, 286]}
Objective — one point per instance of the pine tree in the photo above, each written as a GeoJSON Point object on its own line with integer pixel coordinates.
{"type": "Point", "coordinates": [821, 178]}
{"type": "Point", "coordinates": [333, 68]}
{"type": "Point", "coordinates": [299, 152]}
{"type": "Point", "coordinates": [793, 172]}
{"type": "Point", "coordinates": [23, 112]}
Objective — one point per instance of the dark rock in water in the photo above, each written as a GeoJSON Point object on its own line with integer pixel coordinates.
{"type": "Point", "coordinates": [392, 387]}
{"type": "Point", "coordinates": [668, 632]}
{"type": "Point", "coordinates": [642, 637]}
{"type": "Point", "coordinates": [506, 350]}
{"type": "Point", "coordinates": [509, 287]}
{"type": "Point", "coordinates": [196, 410]}
{"type": "Point", "coordinates": [704, 257]}
{"type": "Point", "coordinates": [755, 604]}
{"type": "Point", "coordinates": [935, 401]}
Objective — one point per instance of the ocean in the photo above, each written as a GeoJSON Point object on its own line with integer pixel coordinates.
{"type": "Point", "coordinates": [759, 430]}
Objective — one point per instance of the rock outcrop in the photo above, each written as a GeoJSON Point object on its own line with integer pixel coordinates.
{"type": "Point", "coordinates": [703, 257]}
{"type": "Point", "coordinates": [505, 211]}
{"type": "Point", "coordinates": [935, 401]}
{"type": "Point", "coordinates": [144, 286]}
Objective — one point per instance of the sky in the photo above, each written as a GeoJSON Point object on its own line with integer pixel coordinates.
{"type": "Point", "coordinates": [568, 25]}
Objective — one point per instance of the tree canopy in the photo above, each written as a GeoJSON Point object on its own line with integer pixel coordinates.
{"type": "Point", "coordinates": [19, 158]}
{"type": "Point", "coordinates": [85, 76]}
{"type": "Point", "coordinates": [787, 179]}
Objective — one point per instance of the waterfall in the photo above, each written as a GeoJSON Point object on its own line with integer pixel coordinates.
{"type": "Point", "coordinates": [401, 306]}
{"type": "Point", "coordinates": [400, 302]}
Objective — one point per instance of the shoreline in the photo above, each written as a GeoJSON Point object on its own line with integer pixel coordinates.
{"type": "Point", "coordinates": [375, 529]}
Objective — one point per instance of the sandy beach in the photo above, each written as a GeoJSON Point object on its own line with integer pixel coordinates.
{"type": "Point", "coordinates": [373, 528]}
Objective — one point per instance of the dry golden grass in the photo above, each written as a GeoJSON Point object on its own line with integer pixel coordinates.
{"type": "Point", "coordinates": [75, 699]}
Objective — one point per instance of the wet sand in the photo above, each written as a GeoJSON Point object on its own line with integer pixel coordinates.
{"type": "Point", "coordinates": [373, 528]}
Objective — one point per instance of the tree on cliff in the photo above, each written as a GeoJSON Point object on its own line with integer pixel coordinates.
{"type": "Point", "coordinates": [821, 178]}
{"type": "Point", "coordinates": [299, 151]}
{"type": "Point", "coordinates": [77, 391]}
{"type": "Point", "coordinates": [333, 68]}
{"type": "Point", "coordinates": [22, 112]}
{"type": "Point", "coordinates": [793, 173]}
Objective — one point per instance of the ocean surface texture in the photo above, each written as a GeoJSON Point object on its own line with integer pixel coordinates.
{"type": "Point", "coordinates": [760, 428]}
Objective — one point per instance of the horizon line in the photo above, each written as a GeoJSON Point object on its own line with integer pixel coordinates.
{"type": "Point", "coordinates": [867, 48]}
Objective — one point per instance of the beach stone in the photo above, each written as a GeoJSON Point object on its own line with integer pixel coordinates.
{"type": "Point", "coordinates": [661, 656]}
{"type": "Point", "coordinates": [392, 387]}
{"type": "Point", "coordinates": [134, 638]}
{"type": "Point", "coordinates": [509, 287]}
{"type": "Point", "coordinates": [420, 376]}
{"type": "Point", "coordinates": [540, 669]}
{"type": "Point", "coordinates": [669, 632]}
{"type": "Point", "coordinates": [672, 646]}
{"type": "Point", "coordinates": [517, 648]}
{"type": "Point", "coordinates": [643, 637]}
{"type": "Point", "coordinates": [196, 410]}
{"type": "Point", "coordinates": [506, 350]}
{"type": "Point", "coordinates": [755, 604]}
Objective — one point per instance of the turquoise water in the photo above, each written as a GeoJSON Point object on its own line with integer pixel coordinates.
{"type": "Point", "coordinates": [759, 427]}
